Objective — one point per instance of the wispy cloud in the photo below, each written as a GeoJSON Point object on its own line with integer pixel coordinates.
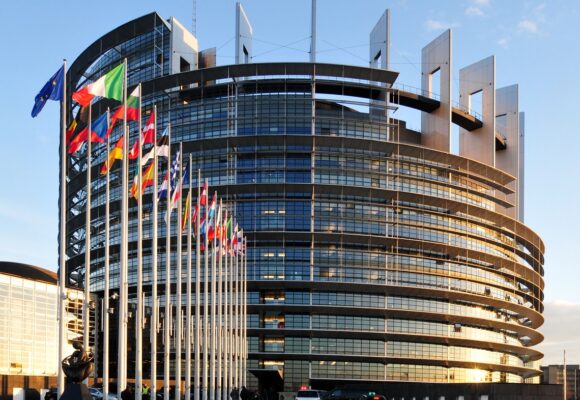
{"type": "Point", "coordinates": [503, 42]}
{"type": "Point", "coordinates": [532, 20]}
{"type": "Point", "coordinates": [561, 331]}
{"type": "Point", "coordinates": [476, 8]}
{"type": "Point", "coordinates": [528, 26]}
{"type": "Point", "coordinates": [437, 25]}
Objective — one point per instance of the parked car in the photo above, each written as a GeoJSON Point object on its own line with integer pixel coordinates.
{"type": "Point", "coordinates": [51, 394]}
{"type": "Point", "coordinates": [310, 395]}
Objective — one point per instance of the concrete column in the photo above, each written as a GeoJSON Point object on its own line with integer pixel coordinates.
{"type": "Point", "coordinates": [244, 33]}
{"type": "Point", "coordinates": [479, 144]}
{"type": "Point", "coordinates": [436, 126]}
{"type": "Point", "coordinates": [508, 125]}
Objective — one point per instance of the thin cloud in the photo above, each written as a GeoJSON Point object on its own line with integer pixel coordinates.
{"type": "Point", "coordinates": [503, 42]}
{"type": "Point", "coordinates": [561, 332]}
{"type": "Point", "coordinates": [528, 26]}
{"type": "Point", "coordinates": [436, 25]}
{"type": "Point", "coordinates": [476, 8]}
{"type": "Point", "coordinates": [474, 11]}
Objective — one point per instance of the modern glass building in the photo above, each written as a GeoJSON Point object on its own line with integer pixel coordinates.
{"type": "Point", "coordinates": [29, 327]}
{"type": "Point", "coordinates": [375, 253]}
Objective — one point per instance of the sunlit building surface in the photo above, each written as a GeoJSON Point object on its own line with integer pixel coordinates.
{"type": "Point", "coordinates": [29, 327]}
{"type": "Point", "coordinates": [375, 253]}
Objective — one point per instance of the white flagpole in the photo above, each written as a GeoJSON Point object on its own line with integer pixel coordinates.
{"type": "Point", "coordinates": [188, 291]}
{"type": "Point", "coordinates": [226, 385]}
{"type": "Point", "coordinates": [87, 284]}
{"type": "Point", "coordinates": [154, 309]}
{"type": "Point", "coordinates": [106, 334]}
{"type": "Point", "coordinates": [219, 332]}
{"type": "Point", "coordinates": [167, 348]}
{"type": "Point", "coordinates": [231, 314]}
{"type": "Point", "coordinates": [205, 301]}
{"type": "Point", "coordinates": [124, 253]}
{"type": "Point", "coordinates": [178, 281]}
{"type": "Point", "coordinates": [237, 315]}
{"type": "Point", "coordinates": [212, 352]}
{"type": "Point", "coordinates": [139, 316]}
{"type": "Point", "coordinates": [245, 303]}
{"type": "Point", "coordinates": [197, 291]}
{"type": "Point", "coordinates": [62, 325]}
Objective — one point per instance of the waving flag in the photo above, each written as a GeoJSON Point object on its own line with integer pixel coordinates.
{"type": "Point", "coordinates": [176, 195]}
{"type": "Point", "coordinates": [109, 85]}
{"type": "Point", "coordinates": [116, 153]}
{"type": "Point", "coordinates": [132, 109]}
{"type": "Point", "coordinates": [52, 90]}
{"type": "Point", "coordinates": [185, 212]}
{"type": "Point", "coordinates": [203, 198]}
{"type": "Point", "coordinates": [169, 178]}
{"type": "Point", "coordinates": [148, 136]}
{"type": "Point", "coordinates": [162, 149]}
{"type": "Point", "coordinates": [98, 134]}
{"type": "Point", "coordinates": [212, 207]}
{"type": "Point", "coordinates": [146, 181]}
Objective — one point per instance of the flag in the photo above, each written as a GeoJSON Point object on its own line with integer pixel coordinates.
{"type": "Point", "coordinates": [203, 198]}
{"type": "Point", "coordinates": [52, 90]}
{"type": "Point", "coordinates": [212, 207]}
{"type": "Point", "coordinates": [71, 130]}
{"type": "Point", "coordinates": [109, 85]}
{"type": "Point", "coordinates": [194, 220]}
{"type": "Point", "coordinates": [132, 109]}
{"type": "Point", "coordinates": [116, 153]}
{"type": "Point", "coordinates": [176, 194]}
{"type": "Point", "coordinates": [146, 181]}
{"type": "Point", "coordinates": [162, 149]}
{"type": "Point", "coordinates": [98, 134]}
{"type": "Point", "coordinates": [185, 212]}
{"type": "Point", "coordinates": [162, 191]}
{"type": "Point", "coordinates": [148, 136]}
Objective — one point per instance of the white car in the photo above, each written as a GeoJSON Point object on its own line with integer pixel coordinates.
{"type": "Point", "coordinates": [309, 395]}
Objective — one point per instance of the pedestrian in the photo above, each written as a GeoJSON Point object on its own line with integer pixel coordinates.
{"type": "Point", "coordinates": [235, 394]}
{"type": "Point", "coordinates": [245, 393]}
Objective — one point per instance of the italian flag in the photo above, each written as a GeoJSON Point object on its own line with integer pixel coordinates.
{"type": "Point", "coordinates": [109, 85]}
{"type": "Point", "coordinates": [146, 181]}
{"type": "Point", "coordinates": [132, 109]}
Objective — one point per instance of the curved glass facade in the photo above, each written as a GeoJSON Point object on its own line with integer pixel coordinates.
{"type": "Point", "coordinates": [369, 258]}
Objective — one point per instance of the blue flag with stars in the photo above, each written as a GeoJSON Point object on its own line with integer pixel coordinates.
{"type": "Point", "coordinates": [52, 90]}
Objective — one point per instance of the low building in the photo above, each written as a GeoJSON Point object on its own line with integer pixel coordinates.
{"type": "Point", "coordinates": [554, 374]}
{"type": "Point", "coordinates": [29, 328]}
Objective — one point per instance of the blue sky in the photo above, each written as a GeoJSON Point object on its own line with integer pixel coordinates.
{"type": "Point", "coordinates": [535, 44]}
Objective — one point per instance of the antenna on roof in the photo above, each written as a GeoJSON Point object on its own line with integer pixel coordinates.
{"type": "Point", "coordinates": [313, 33]}
{"type": "Point", "coordinates": [194, 19]}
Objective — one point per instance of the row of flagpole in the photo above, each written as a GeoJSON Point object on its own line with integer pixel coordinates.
{"type": "Point", "coordinates": [214, 333]}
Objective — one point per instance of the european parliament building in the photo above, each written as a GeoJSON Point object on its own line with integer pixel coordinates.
{"type": "Point", "coordinates": [375, 253]}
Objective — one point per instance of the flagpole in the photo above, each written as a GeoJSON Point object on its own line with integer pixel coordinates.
{"type": "Point", "coordinates": [139, 316]}
{"type": "Point", "coordinates": [188, 292]}
{"type": "Point", "coordinates": [106, 336]}
{"type": "Point", "coordinates": [62, 239]}
{"type": "Point", "coordinates": [237, 314]}
{"type": "Point", "coordinates": [226, 391]}
{"type": "Point", "coordinates": [87, 284]}
{"type": "Point", "coordinates": [212, 362]}
{"type": "Point", "coordinates": [178, 281]}
{"type": "Point", "coordinates": [231, 315]}
{"type": "Point", "coordinates": [122, 335]}
{"type": "Point", "coordinates": [205, 301]}
{"type": "Point", "coordinates": [197, 290]}
{"type": "Point", "coordinates": [154, 302]}
{"type": "Point", "coordinates": [219, 332]}
{"type": "Point", "coordinates": [167, 347]}
{"type": "Point", "coordinates": [245, 309]}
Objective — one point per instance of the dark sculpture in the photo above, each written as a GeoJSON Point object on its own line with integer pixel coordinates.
{"type": "Point", "coordinates": [78, 366]}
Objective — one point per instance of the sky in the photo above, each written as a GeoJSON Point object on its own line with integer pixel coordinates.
{"type": "Point", "coordinates": [535, 44]}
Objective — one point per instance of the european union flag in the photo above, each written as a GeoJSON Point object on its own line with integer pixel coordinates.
{"type": "Point", "coordinates": [51, 90]}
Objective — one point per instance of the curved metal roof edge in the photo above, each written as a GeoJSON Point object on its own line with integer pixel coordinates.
{"type": "Point", "coordinates": [27, 271]}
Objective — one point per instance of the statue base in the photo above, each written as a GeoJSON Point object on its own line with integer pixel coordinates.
{"type": "Point", "coordinates": [76, 391]}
